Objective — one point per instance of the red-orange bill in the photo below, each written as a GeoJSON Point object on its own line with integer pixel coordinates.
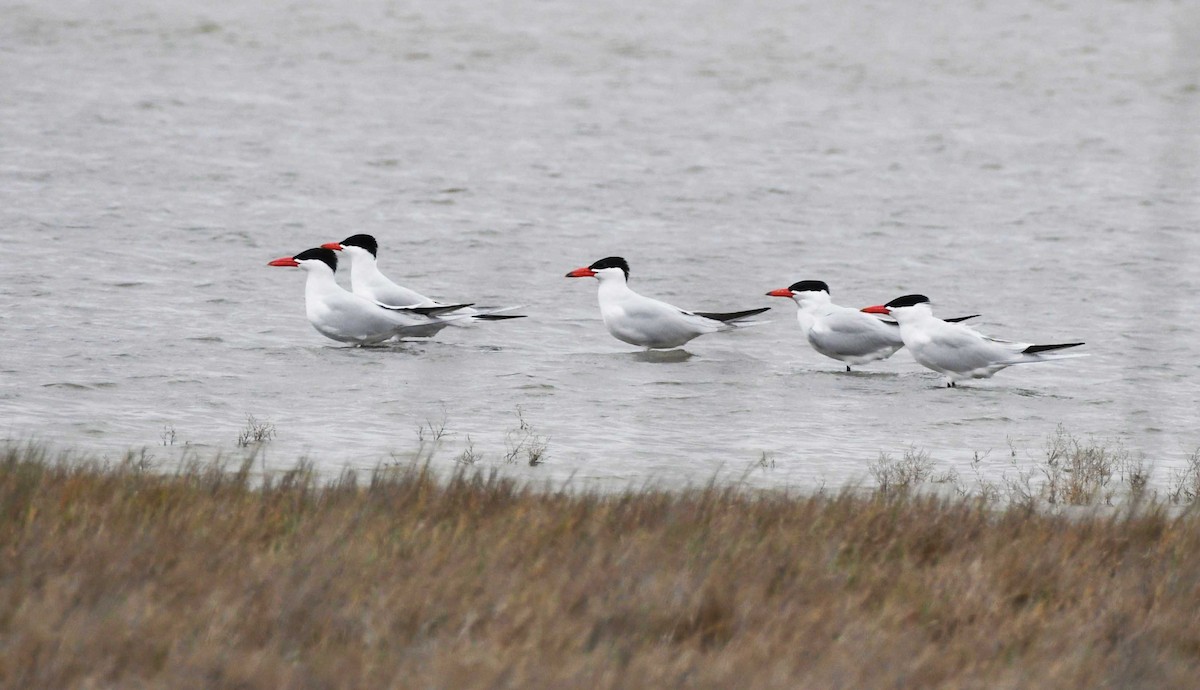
{"type": "Point", "coordinates": [584, 272]}
{"type": "Point", "coordinates": [284, 261]}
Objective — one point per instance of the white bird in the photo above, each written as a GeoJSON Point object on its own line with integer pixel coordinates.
{"type": "Point", "coordinates": [958, 351]}
{"type": "Point", "coordinates": [366, 280]}
{"type": "Point", "coordinates": [845, 334]}
{"type": "Point", "coordinates": [647, 322]}
{"type": "Point", "coordinates": [350, 318]}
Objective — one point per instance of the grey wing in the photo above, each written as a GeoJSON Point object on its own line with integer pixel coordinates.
{"type": "Point", "coordinates": [854, 334]}
{"type": "Point", "coordinates": [397, 296]}
{"type": "Point", "coordinates": [349, 317]}
{"type": "Point", "coordinates": [960, 348]}
{"type": "Point", "coordinates": [649, 321]}
{"type": "Point", "coordinates": [652, 311]}
{"type": "Point", "coordinates": [1010, 344]}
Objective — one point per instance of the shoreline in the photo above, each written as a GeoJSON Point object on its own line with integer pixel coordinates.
{"type": "Point", "coordinates": [119, 575]}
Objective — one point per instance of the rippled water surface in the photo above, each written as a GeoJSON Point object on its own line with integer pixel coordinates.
{"type": "Point", "coordinates": [1034, 162]}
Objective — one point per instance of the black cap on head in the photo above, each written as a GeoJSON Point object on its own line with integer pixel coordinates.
{"type": "Point", "coordinates": [365, 241]}
{"type": "Point", "coordinates": [320, 254]}
{"type": "Point", "coordinates": [907, 301]}
{"type": "Point", "coordinates": [809, 286]}
{"type": "Point", "coordinates": [611, 262]}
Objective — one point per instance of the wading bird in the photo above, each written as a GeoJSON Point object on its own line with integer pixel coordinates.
{"type": "Point", "coordinates": [960, 352]}
{"type": "Point", "coordinates": [350, 318]}
{"type": "Point", "coordinates": [847, 335]}
{"type": "Point", "coordinates": [366, 280]}
{"type": "Point", "coordinates": [649, 323]}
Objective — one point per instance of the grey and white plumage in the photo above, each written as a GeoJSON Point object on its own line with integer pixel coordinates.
{"type": "Point", "coordinates": [345, 317]}
{"type": "Point", "coordinates": [956, 350]}
{"type": "Point", "coordinates": [366, 280]}
{"type": "Point", "coordinates": [847, 335]}
{"type": "Point", "coordinates": [646, 322]}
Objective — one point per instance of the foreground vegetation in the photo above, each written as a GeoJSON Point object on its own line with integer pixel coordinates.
{"type": "Point", "coordinates": [115, 576]}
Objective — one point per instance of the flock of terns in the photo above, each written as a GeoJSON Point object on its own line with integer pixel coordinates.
{"type": "Point", "coordinates": [377, 309]}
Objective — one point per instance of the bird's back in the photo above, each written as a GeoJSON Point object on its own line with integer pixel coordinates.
{"type": "Point", "coordinates": [640, 320]}
{"type": "Point", "coordinates": [956, 348]}
{"type": "Point", "coordinates": [843, 332]}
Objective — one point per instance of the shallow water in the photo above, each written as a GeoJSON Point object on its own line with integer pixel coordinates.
{"type": "Point", "coordinates": [1034, 162]}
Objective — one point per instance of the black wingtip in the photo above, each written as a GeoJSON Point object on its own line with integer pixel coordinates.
{"type": "Point", "coordinates": [499, 317]}
{"type": "Point", "coordinates": [440, 309]}
{"type": "Point", "coordinates": [962, 318]}
{"type": "Point", "coordinates": [428, 311]}
{"type": "Point", "coordinates": [1034, 349]}
{"type": "Point", "coordinates": [730, 316]}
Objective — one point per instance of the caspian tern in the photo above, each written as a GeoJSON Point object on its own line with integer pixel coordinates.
{"type": "Point", "coordinates": [845, 334]}
{"type": "Point", "coordinates": [647, 322]}
{"type": "Point", "coordinates": [366, 280]}
{"type": "Point", "coordinates": [350, 318]}
{"type": "Point", "coordinates": [958, 351]}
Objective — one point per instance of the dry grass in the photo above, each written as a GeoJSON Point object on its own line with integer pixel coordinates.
{"type": "Point", "coordinates": [120, 577]}
{"type": "Point", "coordinates": [254, 433]}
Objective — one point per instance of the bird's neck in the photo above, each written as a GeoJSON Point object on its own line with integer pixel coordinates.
{"type": "Point", "coordinates": [364, 271]}
{"type": "Point", "coordinates": [319, 283]}
{"type": "Point", "coordinates": [613, 288]}
{"type": "Point", "coordinates": [813, 301]}
{"type": "Point", "coordinates": [916, 318]}
{"type": "Point", "coordinates": [810, 307]}
{"type": "Point", "coordinates": [806, 319]}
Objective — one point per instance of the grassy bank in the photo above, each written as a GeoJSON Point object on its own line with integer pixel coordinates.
{"type": "Point", "coordinates": [113, 576]}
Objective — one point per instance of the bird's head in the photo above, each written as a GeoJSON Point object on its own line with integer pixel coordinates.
{"type": "Point", "coordinates": [355, 246]}
{"type": "Point", "coordinates": [318, 258]}
{"type": "Point", "coordinates": [802, 290]}
{"type": "Point", "coordinates": [609, 268]}
{"type": "Point", "coordinates": [902, 308]}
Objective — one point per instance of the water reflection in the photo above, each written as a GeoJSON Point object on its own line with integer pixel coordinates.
{"type": "Point", "coordinates": [661, 356]}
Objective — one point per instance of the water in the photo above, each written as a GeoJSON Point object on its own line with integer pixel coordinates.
{"type": "Point", "coordinates": [1035, 162]}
